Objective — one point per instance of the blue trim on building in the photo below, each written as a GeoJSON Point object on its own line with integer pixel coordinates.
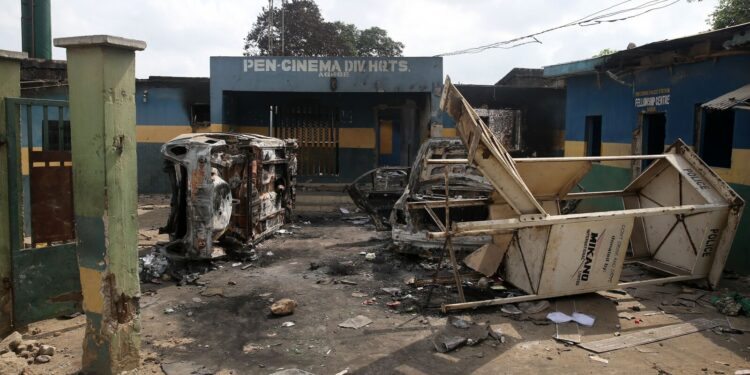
{"type": "Point", "coordinates": [687, 85]}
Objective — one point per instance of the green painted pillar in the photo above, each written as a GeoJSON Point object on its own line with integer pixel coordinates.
{"type": "Point", "coordinates": [101, 78]}
{"type": "Point", "coordinates": [10, 86]}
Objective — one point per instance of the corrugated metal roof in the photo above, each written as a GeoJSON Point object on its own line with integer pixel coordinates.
{"type": "Point", "coordinates": [730, 99]}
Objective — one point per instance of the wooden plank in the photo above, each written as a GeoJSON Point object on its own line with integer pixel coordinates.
{"type": "Point", "coordinates": [650, 335]}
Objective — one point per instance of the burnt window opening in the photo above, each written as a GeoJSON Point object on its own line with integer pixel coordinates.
{"type": "Point", "coordinates": [505, 124]}
{"type": "Point", "coordinates": [593, 136]}
{"type": "Point", "coordinates": [718, 138]}
{"type": "Point", "coordinates": [58, 138]}
{"type": "Point", "coordinates": [200, 114]}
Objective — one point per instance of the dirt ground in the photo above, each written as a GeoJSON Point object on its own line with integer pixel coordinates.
{"type": "Point", "coordinates": [191, 330]}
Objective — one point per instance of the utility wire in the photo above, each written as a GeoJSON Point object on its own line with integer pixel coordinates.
{"type": "Point", "coordinates": [592, 19]}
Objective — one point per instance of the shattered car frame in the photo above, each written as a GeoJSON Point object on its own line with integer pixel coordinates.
{"type": "Point", "coordinates": [235, 189]}
{"type": "Point", "coordinates": [377, 190]}
{"type": "Point", "coordinates": [420, 209]}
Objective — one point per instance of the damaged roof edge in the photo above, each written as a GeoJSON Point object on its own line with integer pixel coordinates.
{"type": "Point", "coordinates": [733, 36]}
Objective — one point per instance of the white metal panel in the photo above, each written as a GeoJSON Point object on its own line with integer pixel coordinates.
{"type": "Point", "coordinates": [525, 257]}
{"type": "Point", "coordinates": [585, 256]}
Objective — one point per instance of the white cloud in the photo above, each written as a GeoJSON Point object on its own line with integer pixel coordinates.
{"type": "Point", "coordinates": [183, 34]}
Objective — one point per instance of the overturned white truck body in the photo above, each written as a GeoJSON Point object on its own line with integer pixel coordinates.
{"type": "Point", "coordinates": [679, 218]}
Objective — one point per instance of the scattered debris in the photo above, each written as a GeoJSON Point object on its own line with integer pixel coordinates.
{"type": "Point", "coordinates": [598, 359]}
{"type": "Point", "coordinates": [152, 265]}
{"type": "Point", "coordinates": [250, 348]}
{"type": "Point", "coordinates": [359, 294]}
{"type": "Point", "coordinates": [533, 307]}
{"type": "Point", "coordinates": [392, 291]}
{"type": "Point", "coordinates": [284, 306]}
{"type": "Point", "coordinates": [459, 323]}
{"type": "Point", "coordinates": [344, 210]}
{"type": "Point", "coordinates": [288, 324]}
{"type": "Point", "coordinates": [16, 353]}
{"type": "Point", "coordinates": [358, 321]}
{"type": "Point", "coordinates": [393, 304]}
{"type": "Point", "coordinates": [211, 292]}
{"type": "Point", "coordinates": [452, 336]}
{"type": "Point", "coordinates": [649, 336]}
{"type": "Point", "coordinates": [292, 371]}
{"type": "Point", "coordinates": [731, 303]}
{"type": "Point", "coordinates": [511, 309]}
{"type": "Point", "coordinates": [370, 256]}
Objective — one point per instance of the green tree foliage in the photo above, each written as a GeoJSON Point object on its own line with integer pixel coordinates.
{"type": "Point", "coordinates": [308, 34]}
{"type": "Point", "coordinates": [730, 13]}
{"type": "Point", "coordinates": [605, 52]}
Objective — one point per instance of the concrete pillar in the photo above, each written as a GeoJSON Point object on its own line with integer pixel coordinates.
{"type": "Point", "coordinates": [101, 77]}
{"type": "Point", "coordinates": [10, 86]}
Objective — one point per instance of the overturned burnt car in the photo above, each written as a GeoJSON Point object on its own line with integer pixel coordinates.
{"type": "Point", "coordinates": [234, 189]}
{"type": "Point", "coordinates": [421, 207]}
{"type": "Point", "coordinates": [410, 201]}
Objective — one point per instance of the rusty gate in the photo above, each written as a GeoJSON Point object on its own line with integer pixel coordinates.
{"type": "Point", "coordinates": [45, 280]}
{"type": "Point", "coordinates": [316, 129]}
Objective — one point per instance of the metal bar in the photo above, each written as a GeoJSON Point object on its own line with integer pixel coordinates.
{"type": "Point", "coordinates": [15, 186]}
{"type": "Point", "coordinates": [451, 203]}
{"type": "Point", "coordinates": [45, 128]}
{"type": "Point", "coordinates": [447, 161]}
{"type": "Point", "coordinates": [590, 158]}
{"type": "Point", "coordinates": [449, 242]}
{"type": "Point", "coordinates": [435, 218]}
{"type": "Point", "coordinates": [30, 149]}
{"type": "Point", "coordinates": [60, 128]}
{"type": "Point", "coordinates": [597, 194]}
{"type": "Point", "coordinates": [490, 302]}
{"type": "Point", "coordinates": [30, 101]}
{"type": "Point", "coordinates": [533, 297]}
{"type": "Point", "coordinates": [661, 280]}
{"type": "Point", "coordinates": [474, 228]}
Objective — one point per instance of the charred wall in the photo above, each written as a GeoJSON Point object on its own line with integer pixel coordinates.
{"type": "Point", "coordinates": [542, 126]}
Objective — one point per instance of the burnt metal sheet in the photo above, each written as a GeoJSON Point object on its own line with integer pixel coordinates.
{"type": "Point", "coordinates": [234, 189]}
{"type": "Point", "coordinates": [376, 191]}
{"type": "Point", "coordinates": [739, 97]}
{"type": "Point", "coordinates": [51, 187]}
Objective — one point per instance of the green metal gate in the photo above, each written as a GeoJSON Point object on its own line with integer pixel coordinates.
{"type": "Point", "coordinates": [45, 279]}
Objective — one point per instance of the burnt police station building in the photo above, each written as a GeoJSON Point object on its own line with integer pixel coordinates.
{"type": "Point", "coordinates": [349, 115]}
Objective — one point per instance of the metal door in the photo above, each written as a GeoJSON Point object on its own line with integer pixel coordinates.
{"type": "Point", "coordinates": [45, 279]}
{"type": "Point", "coordinates": [316, 129]}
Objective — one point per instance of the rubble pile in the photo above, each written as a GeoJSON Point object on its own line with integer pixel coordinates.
{"type": "Point", "coordinates": [16, 353]}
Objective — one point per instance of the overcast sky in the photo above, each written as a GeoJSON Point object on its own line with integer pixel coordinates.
{"type": "Point", "coordinates": [182, 34]}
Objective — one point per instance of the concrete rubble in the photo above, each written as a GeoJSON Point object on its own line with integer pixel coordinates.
{"type": "Point", "coordinates": [16, 353]}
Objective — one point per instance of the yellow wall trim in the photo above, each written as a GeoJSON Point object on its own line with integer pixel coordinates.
{"type": "Point", "coordinates": [739, 173]}
{"type": "Point", "coordinates": [91, 288]}
{"type": "Point", "coordinates": [160, 133]}
{"type": "Point", "coordinates": [449, 133]}
{"type": "Point", "coordinates": [357, 138]}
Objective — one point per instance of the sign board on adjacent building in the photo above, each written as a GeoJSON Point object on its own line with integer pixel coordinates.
{"type": "Point", "coordinates": [650, 99]}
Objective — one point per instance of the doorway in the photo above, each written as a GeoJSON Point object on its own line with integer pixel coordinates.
{"type": "Point", "coordinates": [389, 137]}
{"type": "Point", "coordinates": [654, 135]}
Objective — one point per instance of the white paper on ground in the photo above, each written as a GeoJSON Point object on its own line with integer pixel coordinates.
{"type": "Point", "coordinates": [577, 317]}
{"type": "Point", "coordinates": [559, 317]}
{"type": "Point", "coordinates": [583, 319]}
